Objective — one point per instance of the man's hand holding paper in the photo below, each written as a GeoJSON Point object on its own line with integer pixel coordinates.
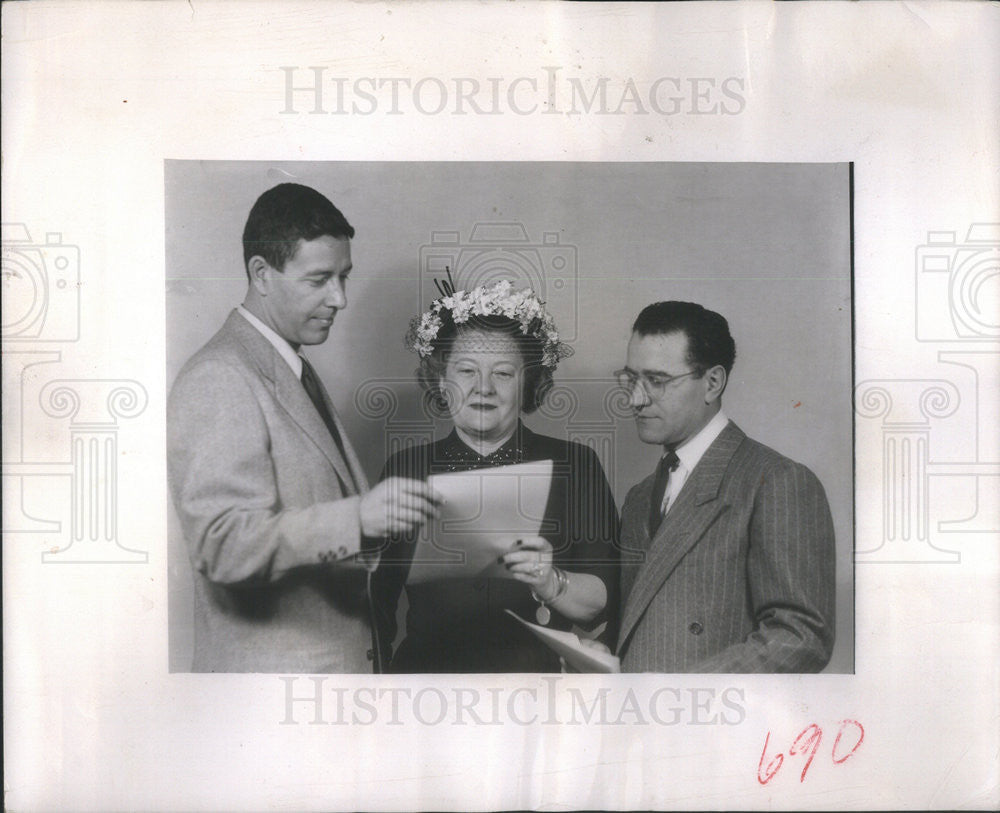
{"type": "Point", "coordinates": [482, 516]}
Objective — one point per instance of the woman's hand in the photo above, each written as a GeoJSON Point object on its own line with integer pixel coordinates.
{"type": "Point", "coordinates": [529, 560]}
{"type": "Point", "coordinates": [576, 596]}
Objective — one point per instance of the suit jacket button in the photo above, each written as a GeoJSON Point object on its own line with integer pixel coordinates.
{"type": "Point", "coordinates": [370, 654]}
{"type": "Point", "coordinates": [695, 628]}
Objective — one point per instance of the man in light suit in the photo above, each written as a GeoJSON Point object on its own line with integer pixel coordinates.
{"type": "Point", "coordinates": [738, 567]}
{"type": "Point", "coordinates": [279, 522]}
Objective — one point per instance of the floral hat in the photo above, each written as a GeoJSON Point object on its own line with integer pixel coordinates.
{"type": "Point", "coordinates": [498, 299]}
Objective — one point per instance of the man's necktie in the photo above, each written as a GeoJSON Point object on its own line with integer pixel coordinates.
{"type": "Point", "coordinates": [311, 384]}
{"type": "Point", "coordinates": [668, 463]}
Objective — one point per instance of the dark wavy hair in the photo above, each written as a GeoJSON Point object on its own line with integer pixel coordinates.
{"type": "Point", "coordinates": [537, 377]}
{"type": "Point", "coordinates": [285, 214]}
{"type": "Point", "coordinates": [708, 337]}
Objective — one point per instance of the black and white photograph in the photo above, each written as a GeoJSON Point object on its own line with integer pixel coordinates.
{"type": "Point", "coordinates": [492, 315]}
{"type": "Point", "coordinates": [514, 405]}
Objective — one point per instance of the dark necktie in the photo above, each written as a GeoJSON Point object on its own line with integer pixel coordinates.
{"type": "Point", "coordinates": [312, 387]}
{"type": "Point", "coordinates": [668, 463]}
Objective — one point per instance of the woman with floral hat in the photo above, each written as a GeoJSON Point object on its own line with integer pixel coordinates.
{"type": "Point", "coordinates": [487, 355]}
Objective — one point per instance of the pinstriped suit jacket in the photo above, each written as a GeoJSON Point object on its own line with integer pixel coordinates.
{"type": "Point", "coordinates": [270, 513]}
{"type": "Point", "coordinates": [740, 574]}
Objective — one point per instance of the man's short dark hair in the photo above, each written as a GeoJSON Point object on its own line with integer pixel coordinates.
{"type": "Point", "coordinates": [709, 341]}
{"type": "Point", "coordinates": [286, 214]}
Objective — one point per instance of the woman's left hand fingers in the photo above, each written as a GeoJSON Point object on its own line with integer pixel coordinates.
{"type": "Point", "coordinates": [527, 556]}
{"type": "Point", "coordinates": [529, 559]}
{"type": "Point", "coordinates": [531, 543]}
{"type": "Point", "coordinates": [529, 568]}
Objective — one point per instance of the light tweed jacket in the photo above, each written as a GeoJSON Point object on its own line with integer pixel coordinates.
{"type": "Point", "coordinates": [269, 510]}
{"type": "Point", "coordinates": [740, 574]}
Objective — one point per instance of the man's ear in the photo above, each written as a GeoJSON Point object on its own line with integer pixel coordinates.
{"type": "Point", "coordinates": [715, 383]}
{"type": "Point", "coordinates": [260, 273]}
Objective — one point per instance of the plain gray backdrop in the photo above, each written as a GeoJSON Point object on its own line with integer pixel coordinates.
{"type": "Point", "coordinates": [766, 245]}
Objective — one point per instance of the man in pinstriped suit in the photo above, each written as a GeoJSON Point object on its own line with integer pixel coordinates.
{"type": "Point", "coordinates": [738, 567]}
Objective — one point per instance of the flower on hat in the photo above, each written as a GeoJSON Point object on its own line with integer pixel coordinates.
{"type": "Point", "coordinates": [499, 299]}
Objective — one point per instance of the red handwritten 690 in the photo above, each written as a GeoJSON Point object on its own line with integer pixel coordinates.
{"type": "Point", "coordinates": [808, 742]}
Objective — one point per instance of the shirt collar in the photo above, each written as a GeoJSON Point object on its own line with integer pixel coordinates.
{"type": "Point", "coordinates": [281, 345]}
{"type": "Point", "coordinates": [693, 449]}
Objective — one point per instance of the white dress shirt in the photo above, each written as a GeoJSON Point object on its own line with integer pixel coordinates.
{"type": "Point", "coordinates": [281, 345]}
{"type": "Point", "coordinates": [689, 453]}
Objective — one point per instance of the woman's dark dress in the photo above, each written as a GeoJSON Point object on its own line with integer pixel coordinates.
{"type": "Point", "coordinates": [459, 625]}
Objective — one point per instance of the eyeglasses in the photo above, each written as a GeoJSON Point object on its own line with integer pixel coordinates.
{"type": "Point", "coordinates": [653, 383]}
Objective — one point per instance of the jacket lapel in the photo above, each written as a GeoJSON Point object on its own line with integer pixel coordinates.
{"type": "Point", "coordinates": [290, 393]}
{"type": "Point", "coordinates": [635, 529]}
{"type": "Point", "coordinates": [698, 506]}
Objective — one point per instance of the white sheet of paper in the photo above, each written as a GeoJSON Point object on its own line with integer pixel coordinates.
{"type": "Point", "coordinates": [483, 514]}
{"type": "Point", "coordinates": [571, 649]}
